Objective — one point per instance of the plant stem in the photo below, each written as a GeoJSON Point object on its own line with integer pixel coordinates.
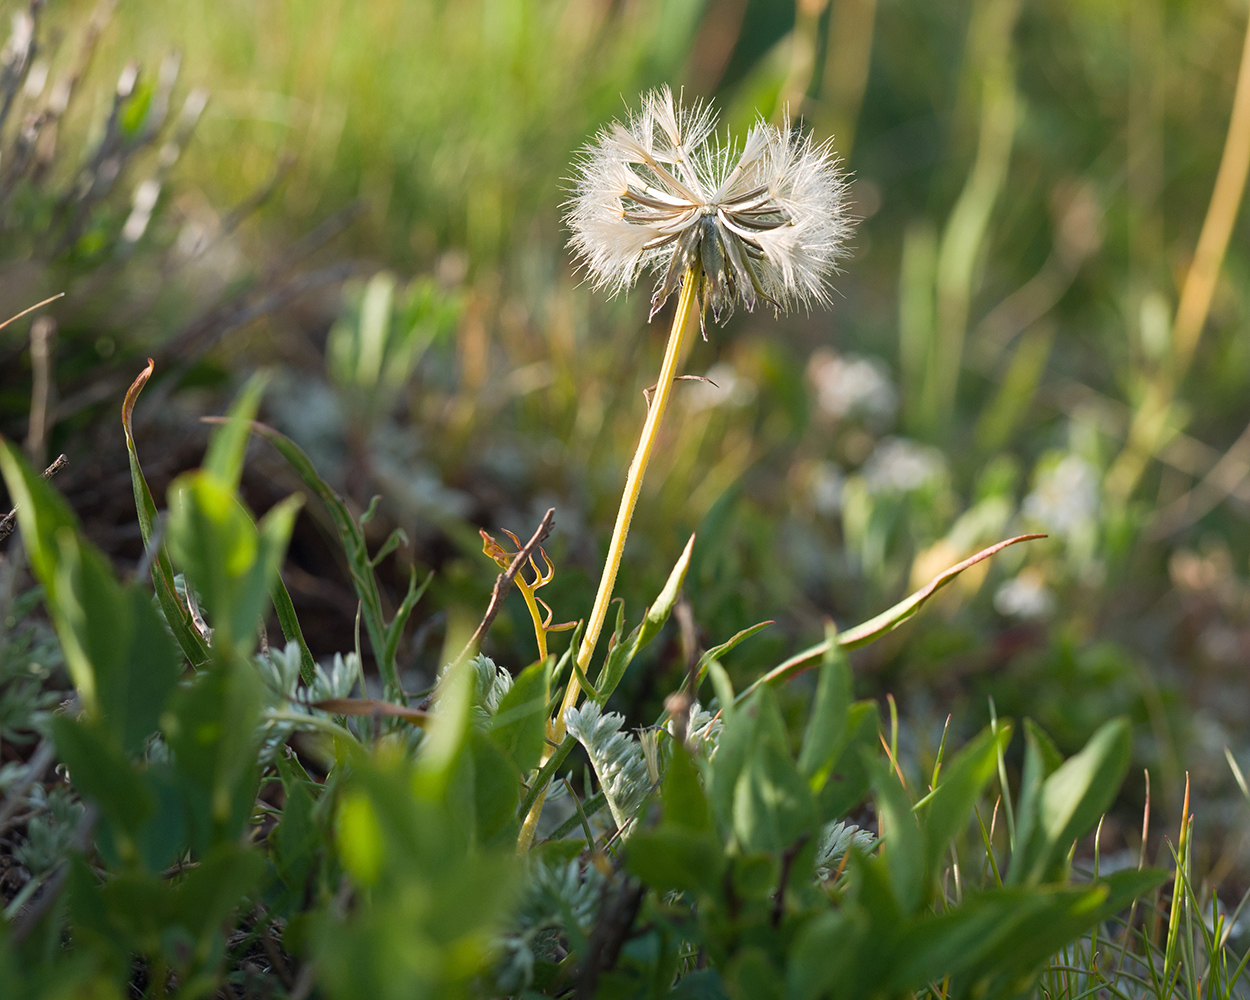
{"type": "Point", "coordinates": [686, 310]}
{"type": "Point", "coordinates": [682, 324]}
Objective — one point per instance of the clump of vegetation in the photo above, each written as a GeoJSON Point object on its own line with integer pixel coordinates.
{"type": "Point", "coordinates": [241, 817]}
{"type": "Point", "coordinates": [223, 774]}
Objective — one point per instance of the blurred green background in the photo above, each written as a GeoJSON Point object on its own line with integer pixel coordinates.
{"type": "Point", "coordinates": [369, 205]}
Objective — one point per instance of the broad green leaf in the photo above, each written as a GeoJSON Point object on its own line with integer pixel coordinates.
{"type": "Point", "coordinates": [519, 727]}
{"type": "Point", "coordinates": [1041, 759]}
{"type": "Point", "coordinates": [750, 975]}
{"type": "Point", "coordinates": [116, 648]}
{"type": "Point", "coordinates": [822, 955]}
{"type": "Point", "coordinates": [295, 840]}
{"type": "Point", "coordinates": [903, 847]}
{"type": "Point", "coordinates": [772, 804]}
{"type": "Point", "coordinates": [211, 729]}
{"type": "Point", "coordinates": [849, 778]}
{"type": "Point", "coordinates": [732, 753]}
{"type": "Point", "coordinates": [447, 731]}
{"type": "Point", "coordinates": [701, 984]}
{"type": "Point", "coordinates": [216, 888]}
{"type": "Point", "coordinates": [496, 782]}
{"type": "Point", "coordinates": [826, 731]}
{"type": "Point", "coordinates": [229, 560]}
{"type": "Point", "coordinates": [228, 444]}
{"type": "Point", "coordinates": [674, 858]}
{"type": "Point", "coordinates": [950, 804]}
{"type": "Point", "coordinates": [99, 770]}
{"type": "Point", "coordinates": [1071, 800]}
{"type": "Point", "coordinates": [115, 642]}
{"type": "Point", "coordinates": [685, 804]}
{"type": "Point", "coordinates": [993, 945]}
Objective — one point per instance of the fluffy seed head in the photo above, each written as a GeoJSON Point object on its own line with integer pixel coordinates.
{"type": "Point", "coordinates": [662, 193]}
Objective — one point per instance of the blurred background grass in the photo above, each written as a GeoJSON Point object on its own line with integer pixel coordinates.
{"type": "Point", "coordinates": [1032, 181]}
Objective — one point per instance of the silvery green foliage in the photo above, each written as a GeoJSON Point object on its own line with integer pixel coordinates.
{"type": "Point", "coordinates": [29, 654]}
{"type": "Point", "coordinates": [280, 672]}
{"type": "Point", "coordinates": [617, 758]}
{"type": "Point", "coordinates": [50, 833]}
{"type": "Point", "coordinates": [553, 896]}
{"type": "Point", "coordinates": [835, 841]}
{"type": "Point", "coordinates": [490, 683]}
{"type": "Point", "coordinates": [702, 731]}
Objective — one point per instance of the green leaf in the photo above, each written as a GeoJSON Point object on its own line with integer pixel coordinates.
{"type": "Point", "coordinates": [99, 769]}
{"type": "Point", "coordinates": [177, 614]}
{"type": "Point", "coordinates": [673, 858]}
{"type": "Point", "coordinates": [685, 804]}
{"type": "Point", "coordinates": [994, 944]}
{"type": "Point", "coordinates": [228, 445]}
{"type": "Point", "coordinates": [750, 975]}
{"type": "Point", "coordinates": [849, 778]}
{"type": "Point", "coordinates": [772, 804]}
{"type": "Point", "coordinates": [211, 729]}
{"type": "Point", "coordinates": [214, 889]}
{"type": "Point", "coordinates": [875, 628]}
{"type": "Point", "coordinates": [822, 955]}
{"type": "Point", "coordinates": [519, 727]}
{"type": "Point", "coordinates": [496, 782]}
{"type": "Point", "coordinates": [903, 847]}
{"type": "Point", "coordinates": [296, 840]}
{"type": "Point", "coordinates": [447, 730]}
{"type": "Point", "coordinates": [1041, 759]}
{"type": "Point", "coordinates": [226, 557]}
{"type": "Point", "coordinates": [620, 655]}
{"type": "Point", "coordinates": [950, 804]}
{"type": "Point", "coordinates": [1071, 800]}
{"type": "Point", "coordinates": [116, 648]}
{"type": "Point", "coordinates": [717, 653]}
{"type": "Point", "coordinates": [826, 731]}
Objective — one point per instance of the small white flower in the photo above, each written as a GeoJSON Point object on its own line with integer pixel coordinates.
{"type": "Point", "coordinates": [660, 193]}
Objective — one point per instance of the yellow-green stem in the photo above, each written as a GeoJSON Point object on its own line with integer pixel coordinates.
{"type": "Point", "coordinates": [686, 310]}
{"type": "Point", "coordinates": [682, 324]}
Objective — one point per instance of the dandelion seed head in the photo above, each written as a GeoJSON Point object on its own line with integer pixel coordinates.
{"type": "Point", "coordinates": [662, 193]}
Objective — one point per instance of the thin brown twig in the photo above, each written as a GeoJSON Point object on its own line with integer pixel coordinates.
{"type": "Point", "coordinates": [504, 581]}
{"type": "Point", "coordinates": [10, 519]}
{"type": "Point", "coordinates": [42, 332]}
{"type": "Point", "coordinates": [30, 309]}
{"type": "Point", "coordinates": [1221, 481]}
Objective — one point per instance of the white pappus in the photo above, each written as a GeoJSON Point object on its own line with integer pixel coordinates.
{"type": "Point", "coordinates": [663, 193]}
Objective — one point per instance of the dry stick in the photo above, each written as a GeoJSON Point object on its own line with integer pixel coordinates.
{"type": "Point", "coordinates": [30, 309]}
{"type": "Point", "coordinates": [1150, 421]}
{"type": "Point", "coordinates": [10, 519]}
{"type": "Point", "coordinates": [1221, 481]}
{"type": "Point", "coordinates": [41, 334]}
{"type": "Point", "coordinates": [504, 581]}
